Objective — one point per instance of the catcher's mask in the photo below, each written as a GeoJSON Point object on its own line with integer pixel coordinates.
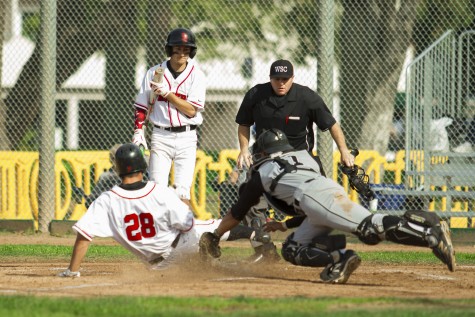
{"type": "Point", "coordinates": [129, 160]}
{"type": "Point", "coordinates": [181, 37]}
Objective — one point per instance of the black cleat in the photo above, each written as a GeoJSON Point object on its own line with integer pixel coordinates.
{"type": "Point", "coordinates": [340, 272]}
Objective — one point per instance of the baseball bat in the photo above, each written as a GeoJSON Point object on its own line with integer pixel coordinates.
{"type": "Point", "coordinates": [158, 78]}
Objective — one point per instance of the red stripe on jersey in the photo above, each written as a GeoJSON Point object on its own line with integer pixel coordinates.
{"type": "Point", "coordinates": [136, 197]}
{"type": "Point", "coordinates": [181, 96]}
{"type": "Point", "coordinates": [137, 105]}
{"type": "Point", "coordinates": [170, 114]}
{"type": "Point", "coordinates": [82, 232]}
{"type": "Point", "coordinates": [196, 104]}
{"type": "Point", "coordinates": [192, 224]}
{"type": "Point", "coordinates": [178, 116]}
{"type": "Point", "coordinates": [210, 222]}
{"type": "Point", "coordinates": [185, 78]}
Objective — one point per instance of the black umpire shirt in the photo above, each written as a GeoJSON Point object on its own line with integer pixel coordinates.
{"type": "Point", "coordinates": [294, 113]}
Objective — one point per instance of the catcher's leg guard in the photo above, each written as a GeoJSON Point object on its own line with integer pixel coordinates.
{"type": "Point", "coordinates": [403, 230]}
{"type": "Point", "coordinates": [311, 255]}
{"type": "Point", "coordinates": [416, 228]}
{"type": "Point", "coordinates": [265, 249]}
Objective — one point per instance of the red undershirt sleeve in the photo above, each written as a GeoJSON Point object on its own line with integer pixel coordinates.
{"type": "Point", "coordinates": [140, 116]}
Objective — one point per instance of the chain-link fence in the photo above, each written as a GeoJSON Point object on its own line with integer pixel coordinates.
{"type": "Point", "coordinates": [355, 54]}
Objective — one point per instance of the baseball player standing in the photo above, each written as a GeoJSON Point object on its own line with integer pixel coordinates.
{"type": "Point", "coordinates": [174, 107]}
{"type": "Point", "coordinates": [146, 218]}
{"type": "Point", "coordinates": [291, 178]}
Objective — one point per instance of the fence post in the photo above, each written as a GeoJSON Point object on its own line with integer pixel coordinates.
{"type": "Point", "coordinates": [46, 188]}
{"type": "Point", "coordinates": [325, 78]}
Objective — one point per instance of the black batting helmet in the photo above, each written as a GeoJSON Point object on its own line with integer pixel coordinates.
{"type": "Point", "coordinates": [181, 37]}
{"type": "Point", "coordinates": [129, 159]}
{"type": "Point", "coordinates": [272, 141]}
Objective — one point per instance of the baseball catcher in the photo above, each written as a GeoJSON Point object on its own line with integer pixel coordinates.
{"type": "Point", "coordinates": [291, 181]}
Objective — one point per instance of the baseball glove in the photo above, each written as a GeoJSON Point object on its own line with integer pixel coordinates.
{"type": "Point", "coordinates": [209, 245]}
{"type": "Point", "coordinates": [358, 180]}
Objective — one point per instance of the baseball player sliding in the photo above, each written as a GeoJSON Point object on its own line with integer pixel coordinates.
{"type": "Point", "coordinates": [291, 181]}
{"type": "Point", "coordinates": [174, 103]}
{"type": "Point", "coordinates": [146, 218]}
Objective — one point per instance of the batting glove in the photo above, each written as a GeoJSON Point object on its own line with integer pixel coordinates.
{"type": "Point", "coordinates": [69, 273]}
{"type": "Point", "coordinates": [139, 139]}
{"type": "Point", "coordinates": [160, 88]}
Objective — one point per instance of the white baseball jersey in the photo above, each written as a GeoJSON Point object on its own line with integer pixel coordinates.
{"type": "Point", "coordinates": [146, 222]}
{"type": "Point", "coordinates": [190, 85]}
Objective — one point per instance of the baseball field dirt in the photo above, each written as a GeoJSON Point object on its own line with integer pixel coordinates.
{"type": "Point", "coordinates": [225, 278]}
{"type": "Point", "coordinates": [34, 276]}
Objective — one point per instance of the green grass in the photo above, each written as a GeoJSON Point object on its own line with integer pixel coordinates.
{"type": "Point", "coordinates": [16, 306]}
{"type": "Point", "coordinates": [59, 251]}
{"type": "Point", "coordinates": [98, 252]}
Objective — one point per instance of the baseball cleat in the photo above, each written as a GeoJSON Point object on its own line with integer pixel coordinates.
{"type": "Point", "coordinates": [444, 250]}
{"type": "Point", "coordinates": [340, 272]}
{"type": "Point", "coordinates": [266, 253]}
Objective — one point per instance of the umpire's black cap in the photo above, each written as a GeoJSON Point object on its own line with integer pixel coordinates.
{"type": "Point", "coordinates": [281, 68]}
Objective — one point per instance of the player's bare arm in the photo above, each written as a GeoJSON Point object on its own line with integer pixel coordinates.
{"type": "Point", "coordinates": [182, 105]}
{"type": "Point", "coordinates": [244, 157]}
{"type": "Point", "coordinates": [337, 134]}
{"type": "Point", "coordinates": [79, 252]}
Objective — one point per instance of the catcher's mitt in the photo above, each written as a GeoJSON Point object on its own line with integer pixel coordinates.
{"type": "Point", "coordinates": [209, 245]}
{"type": "Point", "coordinates": [358, 179]}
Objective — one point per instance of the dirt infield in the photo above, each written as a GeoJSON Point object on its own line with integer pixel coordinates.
{"type": "Point", "coordinates": [226, 279]}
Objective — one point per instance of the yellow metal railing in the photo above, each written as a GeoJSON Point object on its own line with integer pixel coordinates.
{"type": "Point", "coordinates": [19, 179]}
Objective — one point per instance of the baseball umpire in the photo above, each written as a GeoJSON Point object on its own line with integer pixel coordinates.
{"type": "Point", "coordinates": [291, 108]}
{"type": "Point", "coordinates": [291, 178]}
{"type": "Point", "coordinates": [146, 218]}
{"type": "Point", "coordinates": [174, 105]}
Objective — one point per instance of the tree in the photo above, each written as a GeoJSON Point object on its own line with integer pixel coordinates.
{"type": "Point", "coordinates": [372, 56]}
{"type": "Point", "coordinates": [259, 26]}
{"type": "Point", "coordinates": [373, 53]}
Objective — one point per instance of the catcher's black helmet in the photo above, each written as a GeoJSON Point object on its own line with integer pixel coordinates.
{"type": "Point", "coordinates": [178, 37]}
{"type": "Point", "coordinates": [129, 160]}
{"type": "Point", "coordinates": [272, 141]}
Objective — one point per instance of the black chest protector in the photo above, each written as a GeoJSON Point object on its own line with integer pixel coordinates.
{"type": "Point", "coordinates": [286, 167]}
